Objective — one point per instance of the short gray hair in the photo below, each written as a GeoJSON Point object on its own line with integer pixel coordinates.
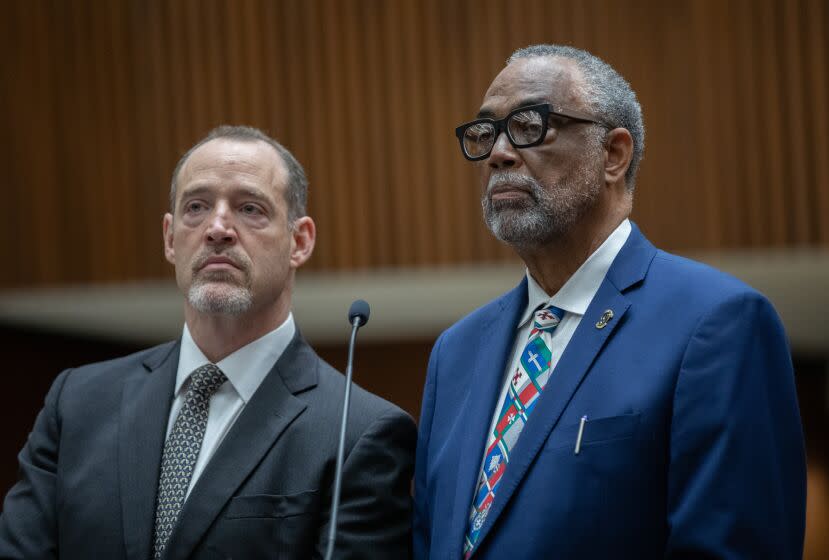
{"type": "Point", "coordinates": [607, 94]}
{"type": "Point", "coordinates": [296, 191]}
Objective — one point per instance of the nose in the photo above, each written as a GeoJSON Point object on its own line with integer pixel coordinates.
{"type": "Point", "coordinates": [220, 228]}
{"type": "Point", "coordinates": [503, 154]}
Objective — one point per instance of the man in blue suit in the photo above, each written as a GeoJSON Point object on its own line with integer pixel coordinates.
{"type": "Point", "coordinates": [620, 402]}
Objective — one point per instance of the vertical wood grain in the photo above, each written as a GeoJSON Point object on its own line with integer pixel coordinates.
{"type": "Point", "coordinates": [101, 98]}
{"type": "Point", "coordinates": [796, 136]}
{"type": "Point", "coordinates": [817, 19]}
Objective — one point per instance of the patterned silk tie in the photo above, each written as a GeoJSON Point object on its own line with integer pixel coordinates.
{"type": "Point", "coordinates": [181, 451]}
{"type": "Point", "coordinates": [525, 386]}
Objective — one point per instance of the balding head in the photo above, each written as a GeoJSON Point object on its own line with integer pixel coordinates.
{"type": "Point", "coordinates": [296, 185]}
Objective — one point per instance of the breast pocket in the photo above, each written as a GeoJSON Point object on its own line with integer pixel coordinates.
{"type": "Point", "coordinates": [273, 506]}
{"type": "Point", "coordinates": [263, 527]}
{"type": "Point", "coordinates": [595, 432]}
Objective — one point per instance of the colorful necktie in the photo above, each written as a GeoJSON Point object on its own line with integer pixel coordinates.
{"type": "Point", "coordinates": [525, 386]}
{"type": "Point", "coordinates": [181, 451]}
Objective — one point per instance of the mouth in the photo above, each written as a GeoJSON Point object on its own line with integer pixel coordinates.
{"type": "Point", "coordinates": [509, 192]}
{"type": "Point", "coordinates": [218, 263]}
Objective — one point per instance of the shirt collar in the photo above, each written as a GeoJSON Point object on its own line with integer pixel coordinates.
{"type": "Point", "coordinates": [577, 293]}
{"type": "Point", "coordinates": [245, 368]}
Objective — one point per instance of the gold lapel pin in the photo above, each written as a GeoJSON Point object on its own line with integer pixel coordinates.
{"type": "Point", "coordinates": [605, 319]}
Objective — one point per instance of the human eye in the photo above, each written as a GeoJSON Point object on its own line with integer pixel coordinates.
{"type": "Point", "coordinates": [481, 132]}
{"type": "Point", "coordinates": [526, 127]}
{"type": "Point", "coordinates": [526, 121]}
{"type": "Point", "coordinates": [251, 209]}
{"type": "Point", "coordinates": [194, 207]}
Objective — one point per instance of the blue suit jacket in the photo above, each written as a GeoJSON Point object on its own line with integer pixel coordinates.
{"type": "Point", "coordinates": [693, 447]}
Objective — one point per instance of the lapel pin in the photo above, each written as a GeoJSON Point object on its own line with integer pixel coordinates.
{"type": "Point", "coordinates": [605, 319]}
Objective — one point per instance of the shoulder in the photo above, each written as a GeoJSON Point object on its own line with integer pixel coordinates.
{"type": "Point", "coordinates": [313, 380]}
{"type": "Point", "coordinates": [653, 277]}
{"type": "Point", "coordinates": [372, 421]}
{"type": "Point", "coordinates": [321, 388]}
{"type": "Point", "coordinates": [366, 407]}
{"type": "Point", "coordinates": [698, 284]}
{"type": "Point", "coordinates": [680, 298]}
{"type": "Point", "coordinates": [93, 379]}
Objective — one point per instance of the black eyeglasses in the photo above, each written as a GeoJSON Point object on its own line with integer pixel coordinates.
{"type": "Point", "coordinates": [525, 127]}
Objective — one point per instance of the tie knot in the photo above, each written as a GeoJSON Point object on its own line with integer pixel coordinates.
{"type": "Point", "coordinates": [206, 380]}
{"type": "Point", "coordinates": [547, 319]}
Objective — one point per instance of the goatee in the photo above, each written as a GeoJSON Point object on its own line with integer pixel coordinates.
{"type": "Point", "coordinates": [220, 292]}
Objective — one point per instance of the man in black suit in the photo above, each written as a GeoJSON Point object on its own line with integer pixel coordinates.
{"type": "Point", "coordinates": [221, 444]}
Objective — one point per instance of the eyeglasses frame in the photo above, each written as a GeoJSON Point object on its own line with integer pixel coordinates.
{"type": "Point", "coordinates": [500, 125]}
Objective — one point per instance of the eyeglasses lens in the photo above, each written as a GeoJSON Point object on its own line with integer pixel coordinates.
{"type": "Point", "coordinates": [525, 127]}
{"type": "Point", "coordinates": [478, 139]}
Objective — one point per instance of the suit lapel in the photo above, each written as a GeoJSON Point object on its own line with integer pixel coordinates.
{"type": "Point", "coordinates": [494, 346]}
{"type": "Point", "coordinates": [629, 268]}
{"type": "Point", "coordinates": [145, 408]}
{"type": "Point", "coordinates": [269, 412]}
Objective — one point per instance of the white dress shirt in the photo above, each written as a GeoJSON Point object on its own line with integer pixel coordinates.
{"type": "Point", "coordinates": [574, 298]}
{"type": "Point", "coordinates": [245, 370]}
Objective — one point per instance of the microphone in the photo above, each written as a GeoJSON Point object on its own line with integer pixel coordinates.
{"type": "Point", "coordinates": [358, 316]}
{"type": "Point", "coordinates": [359, 310]}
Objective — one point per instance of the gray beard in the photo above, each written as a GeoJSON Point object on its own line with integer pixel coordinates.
{"type": "Point", "coordinates": [548, 214]}
{"type": "Point", "coordinates": [222, 299]}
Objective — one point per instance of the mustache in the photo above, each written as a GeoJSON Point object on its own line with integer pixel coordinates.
{"type": "Point", "coordinates": [512, 179]}
{"type": "Point", "coordinates": [239, 260]}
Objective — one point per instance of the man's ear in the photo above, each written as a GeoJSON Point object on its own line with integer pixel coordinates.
{"type": "Point", "coordinates": [618, 151]}
{"type": "Point", "coordinates": [167, 234]}
{"type": "Point", "coordinates": [304, 235]}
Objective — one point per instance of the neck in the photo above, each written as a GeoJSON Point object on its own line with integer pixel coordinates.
{"type": "Point", "coordinates": [218, 336]}
{"type": "Point", "coordinates": [552, 263]}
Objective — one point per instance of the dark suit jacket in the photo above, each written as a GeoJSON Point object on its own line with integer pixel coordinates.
{"type": "Point", "coordinates": [89, 470]}
{"type": "Point", "coordinates": [693, 445]}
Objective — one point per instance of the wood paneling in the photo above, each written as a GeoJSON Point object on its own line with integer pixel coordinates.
{"type": "Point", "coordinates": [100, 98]}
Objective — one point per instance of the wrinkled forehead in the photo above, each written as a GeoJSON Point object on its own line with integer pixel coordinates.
{"type": "Point", "coordinates": [528, 81]}
{"type": "Point", "coordinates": [251, 160]}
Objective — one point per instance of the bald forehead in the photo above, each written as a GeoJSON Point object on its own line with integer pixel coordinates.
{"type": "Point", "coordinates": [537, 79]}
{"type": "Point", "coordinates": [243, 156]}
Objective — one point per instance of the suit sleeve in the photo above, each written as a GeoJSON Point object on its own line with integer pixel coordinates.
{"type": "Point", "coordinates": [374, 519]}
{"type": "Point", "coordinates": [28, 526]}
{"type": "Point", "coordinates": [421, 521]}
{"type": "Point", "coordinates": [737, 478]}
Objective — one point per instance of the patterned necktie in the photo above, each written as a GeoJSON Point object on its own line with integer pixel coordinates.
{"type": "Point", "coordinates": [181, 451]}
{"type": "Point", "coordinates": [525, 386]}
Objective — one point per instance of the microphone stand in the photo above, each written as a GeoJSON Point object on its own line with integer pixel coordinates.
{"type": "Point", "coordinates": [357, 322]}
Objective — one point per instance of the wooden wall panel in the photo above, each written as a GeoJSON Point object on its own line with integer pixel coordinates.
{"type": "Point", "coordinates": [817, 47]}
{"type": "Point", "coordinates": [100, 98]}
